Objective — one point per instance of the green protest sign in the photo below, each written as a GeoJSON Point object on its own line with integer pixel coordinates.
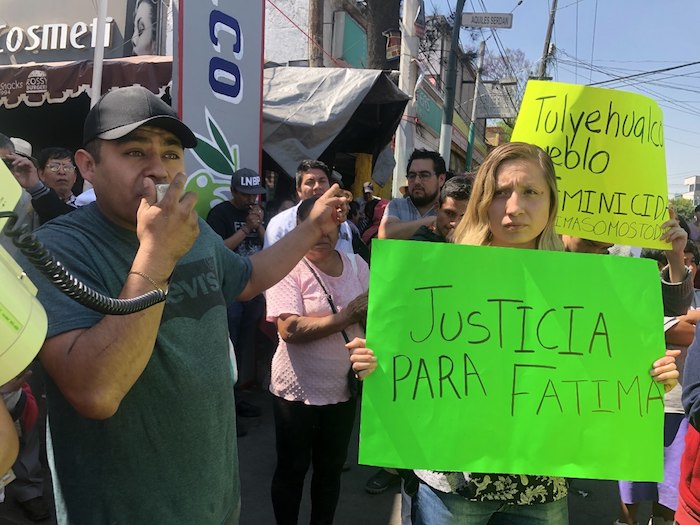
{"type": "Point", "coordinates": [607, 147]}
{"type": "Point", "coordinates": [513, 361]}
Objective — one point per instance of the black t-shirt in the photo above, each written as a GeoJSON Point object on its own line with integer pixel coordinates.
{"type": "Point", "coordinates": [426, 234]}
{"type": "Point", "coordinates": [225, 219]}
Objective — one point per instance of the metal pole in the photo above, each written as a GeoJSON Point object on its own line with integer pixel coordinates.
{"type": "Point", "coordinates": [98, 59]}
{"type": "Point", "coordinates": [403, 145]}
{"type": "Point", "coordinates": [449, 106]}
{"type": "Point", "coordinates": [472, 125]}
{"type": "Point", "coordinates": [542, 70]}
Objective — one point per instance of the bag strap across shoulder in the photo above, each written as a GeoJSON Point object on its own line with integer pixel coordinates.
{"type": "Point", "coordinates": [329, 298]}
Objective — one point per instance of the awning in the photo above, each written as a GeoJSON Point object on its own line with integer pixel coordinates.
{"type": "Point", "coordinates": [307, 111]}
{"type": "Point", "coordinates": [55, 82]}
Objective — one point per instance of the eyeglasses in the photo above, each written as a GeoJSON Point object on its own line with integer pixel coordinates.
{"type": "Point", "coordinates": [422, 175]}
{"type": "Point", "coordinates": [55, 166]}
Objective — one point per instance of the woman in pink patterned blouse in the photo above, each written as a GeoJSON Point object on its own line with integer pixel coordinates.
{"type": "Point", "coordinates": [319, 310]}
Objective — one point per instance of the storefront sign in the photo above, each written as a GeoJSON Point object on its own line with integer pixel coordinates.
{"type": "Point", "coordinates": [52, 36]}
{"type": "Point", "coordinates": [218, 84]}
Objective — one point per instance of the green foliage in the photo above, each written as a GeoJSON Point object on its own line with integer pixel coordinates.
{"type": "Point", "coordinates": [683, 207]}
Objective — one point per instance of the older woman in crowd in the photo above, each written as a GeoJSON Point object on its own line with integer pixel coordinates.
{"type": "Point", "coordinates": [320, 309]}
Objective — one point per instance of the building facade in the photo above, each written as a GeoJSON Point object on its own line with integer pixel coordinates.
{"type": "Point", "coordinates": [289, 29]}
{"type": "Point", "coordinates": [692, 191]}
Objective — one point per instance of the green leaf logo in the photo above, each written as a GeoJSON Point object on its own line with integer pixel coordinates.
{"type": "Point", "coordinates": [218, 160]}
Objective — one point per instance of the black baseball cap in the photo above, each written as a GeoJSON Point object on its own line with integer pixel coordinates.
{"type": "Point", "coordinates": [122, 110]}
{"type": "Point", "coordinates": [247, 181]}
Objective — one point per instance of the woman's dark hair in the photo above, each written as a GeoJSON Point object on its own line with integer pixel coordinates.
{"type": "Point", "coordinates": [652, 253]}
{"type": "Point", "coordinates": [354, 209]}
{"type": "Point", "coordinates": [305, 208]}
{"type": "Point", "coordinates": [691, 248]}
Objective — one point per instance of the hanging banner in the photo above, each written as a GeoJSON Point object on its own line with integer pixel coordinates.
{"type": "Point", "coordinates": [217, 83]}
{"type": "Point", "coordinates": [607, 147]}
{"type": "Point", "coordinates": [491, 360]}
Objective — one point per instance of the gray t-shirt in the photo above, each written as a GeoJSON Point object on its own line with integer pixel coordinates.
{"type": "Point", "coordinates": [405, 210]}
{"type": "Point", "coordinates": [168, 455]}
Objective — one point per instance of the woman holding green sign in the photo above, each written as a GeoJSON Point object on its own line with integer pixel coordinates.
{"type": "Point", "coordinates": [513, 204]}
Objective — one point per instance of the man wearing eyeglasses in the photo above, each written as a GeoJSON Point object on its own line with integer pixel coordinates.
{"type": "Point", "coordinates": [425, 175]}
{"type": "Point", "coordinates": [51, 185]}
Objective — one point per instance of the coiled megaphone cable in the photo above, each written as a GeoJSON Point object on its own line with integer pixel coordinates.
{"type": "Point", "coordinates": [62, 279]}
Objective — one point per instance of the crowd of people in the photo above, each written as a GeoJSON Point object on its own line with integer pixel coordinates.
{"type": "Point", "coordinates": [157, 394]}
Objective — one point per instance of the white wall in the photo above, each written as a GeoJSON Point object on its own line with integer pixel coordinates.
{"type": "Point", "coordinates": [283, 41]}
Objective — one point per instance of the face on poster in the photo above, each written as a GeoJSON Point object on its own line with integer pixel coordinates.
{"type": "Point", "coordinates": [142, 27]}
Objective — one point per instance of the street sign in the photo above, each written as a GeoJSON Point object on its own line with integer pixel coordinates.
{"type": "Point", "coordinates": [497, 100]}
{"type": "Point", "coordinates": [495, 20]}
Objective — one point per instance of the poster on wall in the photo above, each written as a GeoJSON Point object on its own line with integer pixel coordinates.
{"type": "Point", "coordinates": [141, 27]}
{"type": "Point", "coordinates": [217, 90]}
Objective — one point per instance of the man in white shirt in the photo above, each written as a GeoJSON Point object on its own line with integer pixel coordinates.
{"type": "Point", "coordinates": [312, 180]}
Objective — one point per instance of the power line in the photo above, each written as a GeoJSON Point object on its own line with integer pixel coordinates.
{"type": "Point", "coordinates": [569, 5]}
{"type": "Point", "coordinates": [644, 73]}
{"type": "Point", "coordinates": [671, 103]}
{"type": "Point", "coordinates": [676, 104]}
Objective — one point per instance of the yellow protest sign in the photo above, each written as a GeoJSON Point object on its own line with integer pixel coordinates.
{"type": "Point", "coordinates": [607, 147]}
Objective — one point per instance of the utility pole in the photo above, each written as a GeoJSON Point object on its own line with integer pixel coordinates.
{"type": "Point", "coordinates": [403, 145]}
{"type": "Point", "coordinates": [316, 33]}
{"type": "Point", "coordinates": [542, 70]}
{"type": "Point", "coordinates": [472, 118]}
{"type": "Point", "coordinates": [449, 105]}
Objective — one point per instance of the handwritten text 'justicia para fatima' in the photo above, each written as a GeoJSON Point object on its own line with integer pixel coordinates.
{"type": "Point", "coordinates": [541, 338]}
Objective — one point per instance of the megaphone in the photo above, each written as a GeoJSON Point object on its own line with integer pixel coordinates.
{"type": "Point", "coordinates": [23, 322]}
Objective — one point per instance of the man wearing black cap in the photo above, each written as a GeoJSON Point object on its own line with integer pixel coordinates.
{"type": "Point", "coordinates": [141, 410]}
{"type": "Point", "coordinates": [239, 222]}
